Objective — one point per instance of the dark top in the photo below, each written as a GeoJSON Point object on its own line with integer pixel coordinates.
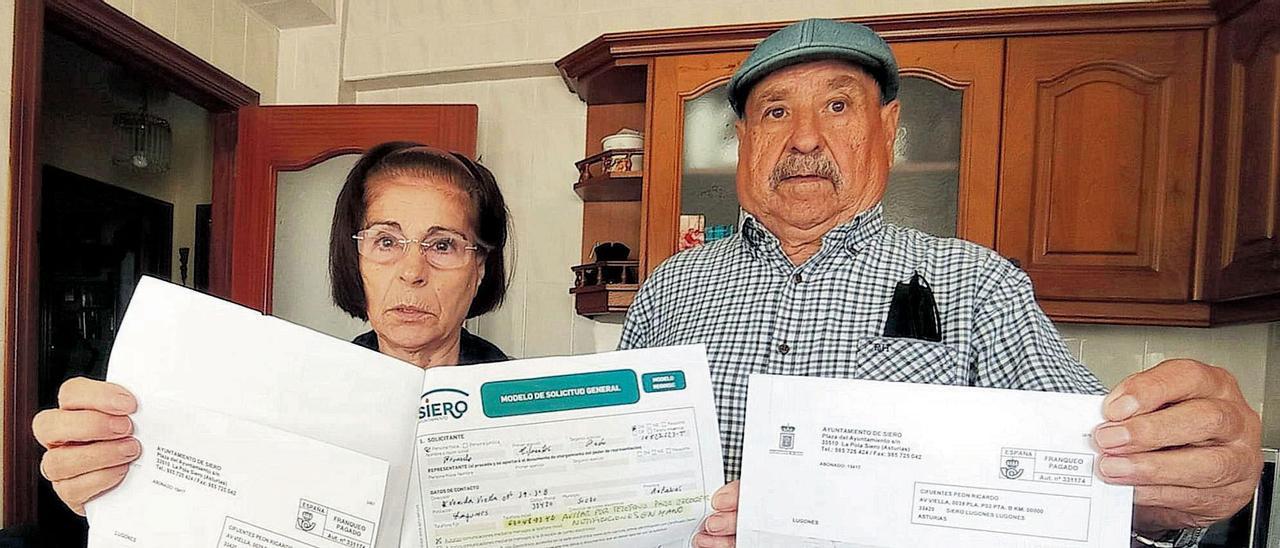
{"type": "Point", "coordinates": [471, 349]}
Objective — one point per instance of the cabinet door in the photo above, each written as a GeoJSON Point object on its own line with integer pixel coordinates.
{"type": "Point", "coordinates": [1243, 256]}
{"type": "Point", "coordinates": [944, 175]}
{"type": "Point", "coordinates": [1100, 160]}
{"type": "Point", "coordinates": [693, 150]}
{"type": "Point", "coordinates": [948, 138]}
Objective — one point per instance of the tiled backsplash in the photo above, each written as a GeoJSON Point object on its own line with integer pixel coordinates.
{"type": "Point", "coordinates": [1271, 405]}
{"type": "Point", "coordinates": [1115, 352]}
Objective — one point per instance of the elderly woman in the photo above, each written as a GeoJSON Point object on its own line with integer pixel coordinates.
{"type": "Point", "coordinates": [416, 248]}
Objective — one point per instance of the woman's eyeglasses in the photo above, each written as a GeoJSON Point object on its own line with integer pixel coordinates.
{"type": "Point", "coordinates": [444, 251]}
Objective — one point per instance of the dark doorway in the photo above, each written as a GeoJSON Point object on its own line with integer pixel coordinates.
{"type": "Point", "coordinates": [97, 240]}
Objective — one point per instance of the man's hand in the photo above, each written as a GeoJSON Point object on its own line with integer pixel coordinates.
{"type": "Point", "coordinates": [89, 440]}
{"type": "Point", "coordinates": [1182, 434]}
{"type": "Point", "coordinates": [720, 530]}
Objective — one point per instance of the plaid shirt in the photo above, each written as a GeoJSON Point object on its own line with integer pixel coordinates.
{"type": "Point", "coordinates": [758, 313]}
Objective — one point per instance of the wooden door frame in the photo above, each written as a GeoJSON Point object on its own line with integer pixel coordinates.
{"type": "Point", "coordinates": [128, 42]}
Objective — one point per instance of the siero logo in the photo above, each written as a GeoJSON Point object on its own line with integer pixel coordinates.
{"type": "Point", "coordinates": [787, 438]}
{"type": "Point", "coordinates": [443, 403]}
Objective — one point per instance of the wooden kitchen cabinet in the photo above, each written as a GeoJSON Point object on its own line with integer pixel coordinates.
{"type": "Point", "coordinates": [1125, 155]}
{"type": "Point", "coordinates": [1242, 258]}
{"type": "Point", "coordinates": [1100, 163]}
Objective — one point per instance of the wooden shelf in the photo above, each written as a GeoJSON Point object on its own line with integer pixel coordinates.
{"type": "Point", "coordinates": [598, 300]}
{"type": "Point", "coordinates": [611, 187]}
{"type": "Point", "coordinates": [610, 176]}
{"type": "Point", "coordinates": [594, 298]}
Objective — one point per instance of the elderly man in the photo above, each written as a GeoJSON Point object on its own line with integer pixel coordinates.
{"type": "Point", "coordinates": [806, 286]}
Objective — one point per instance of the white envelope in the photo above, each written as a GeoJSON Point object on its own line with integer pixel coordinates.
{"type": "Point", "coordinates": [851, 463]}
{"type": "Point", "coordinates": [244, 484]}
{"type": "Point", "coordinates": [212, 355]}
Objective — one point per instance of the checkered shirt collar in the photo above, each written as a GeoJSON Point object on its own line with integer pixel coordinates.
{"type": "Point", "coordinates": [853, 236]}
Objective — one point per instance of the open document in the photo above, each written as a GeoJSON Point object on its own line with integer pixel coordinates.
{"type": "Point", "coordinates": [847, 463]}
{"type": "Point", "coordinates": [255, 432]}
{"type": "Point", "coordinates": [617, 449]}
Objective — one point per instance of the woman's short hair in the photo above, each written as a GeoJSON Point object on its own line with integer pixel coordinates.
{"type": "Point", "coordinates": [408, 158]}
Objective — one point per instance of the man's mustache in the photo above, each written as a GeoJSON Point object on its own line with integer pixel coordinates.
{"type": "Point", "coordinates": [805, 165]}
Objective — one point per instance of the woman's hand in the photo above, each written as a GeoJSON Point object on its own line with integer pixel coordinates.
{"type": "Point", "coordinates": [88, 438]}
{"type": "Point", "coordinates": [720, 529]}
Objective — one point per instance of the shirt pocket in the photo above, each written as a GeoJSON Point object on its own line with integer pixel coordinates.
{"type": "Point", "coordinates": [906, 360]}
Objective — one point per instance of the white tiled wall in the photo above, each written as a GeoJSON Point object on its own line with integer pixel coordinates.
{"type": "Point", "coordinates": [261, 53]}
{"type": "Point", "coordinates": [194, 27]}
{"type": "Point", "coordinates": [413, 36]}
{"type": "Point", "coordinates": [1115, 352]}
{"type": "Point", "coordinates": [224, 32]}
{"type": "Point", "coordinates": [288, 14]}
{"type": "Point", "coordinates": [230, 34]}
{"type": "Point", "coordinates": [310, 63]}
